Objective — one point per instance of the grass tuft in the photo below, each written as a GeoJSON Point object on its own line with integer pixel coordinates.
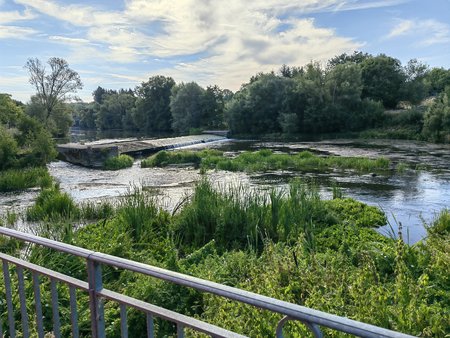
{"type": "Point", "coordinates": [118, 162]}
{"type": "Point", "coordinates": [21, 179]}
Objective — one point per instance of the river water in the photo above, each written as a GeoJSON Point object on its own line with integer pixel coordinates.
{"type": "Point", "coordinates": [409, 198]}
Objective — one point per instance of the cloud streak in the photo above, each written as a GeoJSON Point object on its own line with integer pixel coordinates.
{"type": "Point", "coordinates": [425, 32]}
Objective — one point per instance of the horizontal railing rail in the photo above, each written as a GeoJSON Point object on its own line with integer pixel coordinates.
{"type": "Point", "coordinates": [313, 319]}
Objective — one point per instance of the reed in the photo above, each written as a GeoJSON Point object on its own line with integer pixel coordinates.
{"type": "Point", "coordinates": [21, 179]}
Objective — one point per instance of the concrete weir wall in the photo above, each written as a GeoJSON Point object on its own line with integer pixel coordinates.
{"type": "Point", "coordinates": [94, 154]}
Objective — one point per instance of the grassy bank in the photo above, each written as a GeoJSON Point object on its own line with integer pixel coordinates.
{"type": "Point", "coordinates": [21, 179]}
{"type": "Point", "coordinates": [264, 160]}
{"type": "Point", "coordinates": [290, 245]}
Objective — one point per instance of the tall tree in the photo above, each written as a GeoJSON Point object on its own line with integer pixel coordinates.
{"type": "Point", "coordinates": [187, 106]}
{"type": "Point", "coordinates": [383, 77]}
{"type": "Point", "coordinates": [53, 87]}
{"type": "Point", "coordinates": [416, 86]}
{"type": "Point", "coordinates": [116, 111]}
{"type": "Point", "coordinates": [152, 112]}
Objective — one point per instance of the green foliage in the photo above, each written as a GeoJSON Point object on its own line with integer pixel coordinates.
{"type": "Point", "coordinates": [382, 78]}
{"type": "Point", "coordinates": [289, 245]}
{"type": "Point", "coordinates": [357, 213]}
{"type": "Point", "coordinates": [118, 162]}
{"type": "Point", "coordinates": [152, 111]}
{"type": "Point", "coordinates": [164, 158]}
{"type": "Point", "coordinates": [236, 218]}
{"type": "Point", "coordinates": [437, 120]}
{"type": "Point", "coordinates": [263, 160]}
{"type": "Point", "coordinates": [115, 112]}
{"type": "Point", "coordinates": [8, 149]}
{"type": "Point", "coordinates": [52, 204]}
{"type": "Point", "coordinates": [187, 106]}
{"type": "Point", "coordinates": [58, 122]}
{"type": "Point", "coordinates": [24, 142]}
{"type": "Point", "coordinates": [21, 179]}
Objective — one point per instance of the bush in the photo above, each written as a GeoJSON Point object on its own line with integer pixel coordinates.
{"type": "Point", "coordinates": [164, 158]}
{"type": "Point", "coordinates": [52, 204]}
{"type": "Point", "coordinates": [20, 179]}
{"type": "Point", "coordinates": [357, 213]}
{"type": "Point", "coordinates": [118, 162]}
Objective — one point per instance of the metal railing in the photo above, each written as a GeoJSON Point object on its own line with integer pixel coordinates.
{"type": "Point", "coordinates": [312, 319]}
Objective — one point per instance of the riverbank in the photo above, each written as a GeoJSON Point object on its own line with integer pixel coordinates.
{"type": "Point", "coordinates": [291, 245]}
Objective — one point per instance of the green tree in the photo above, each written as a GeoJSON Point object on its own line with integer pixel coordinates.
{"type": "Point", "coordinates": [416, 86]}
{"type": "Point", "coordinates": [55, 87]}
{"type": "Point", "coordinates": [437, 120]}
{"type": "Point", "coordinates": [257, 107]}
{"type": "Point", "coordinates": [23, 140]}
{"type": "Point", "coordinates": [383, 77]}
{"type": "Point", "coordinates": [213, 107]}
{"type": "Point", "coordinates": [438, 78]}
{"type": "Point", "coordinates": [116, 111]}
{"type": "Point", "coordinates": [357, 58]}
{"type": "Point", "coordinates": [152, 112]}
{"type": "Point", "coordinates": [58, 123]}
{"type": "Point", "coordinates": [187, 106]}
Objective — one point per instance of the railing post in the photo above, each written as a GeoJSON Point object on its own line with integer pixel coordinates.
{"type": "Point", "coordinates": [95, 302]}
{"type": "Point", "coordinates": [7, 280]}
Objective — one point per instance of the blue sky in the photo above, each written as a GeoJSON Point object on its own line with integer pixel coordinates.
{"type": "Point", "coordinates": [119, 44]}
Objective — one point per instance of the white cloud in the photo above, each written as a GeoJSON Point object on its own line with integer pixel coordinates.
{"type": "Point", "coordinates": [68, 40]}
{"type": "Point", "coordinates": [78, 15]}
{"type": "Point", "coordinates": [402, 28]}
{"type": "Point", "coordinates": [15, 32]}
{"type": "Point", "coordinates": [426, 32]}
{"type": "Point", "coordinates": [223, 42]}
{"type": "Point", "coordinates": [13, 16]}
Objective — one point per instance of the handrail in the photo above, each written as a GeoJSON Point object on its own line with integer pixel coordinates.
{"type": "Point", "coordinates": [289, 310]}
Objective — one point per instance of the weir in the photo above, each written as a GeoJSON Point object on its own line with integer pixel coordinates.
{"type": "Point", "coordinates": [94, 154]}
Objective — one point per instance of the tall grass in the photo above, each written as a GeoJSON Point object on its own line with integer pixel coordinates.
{"type": "Point", "coordinates": [21, 179]}
{"type": "Point", "coordinates": [265, 159]}
{"type": "Point", "coordinates": [52, 204]}
{"type": "Point", "coordinates": [140, 214]}
{"type": "Point", "coordinates": [118, 162]}
{"type": "Point", "coordinates": [164, 158]}
{"type": "Point", "coordinates": [238, 218]}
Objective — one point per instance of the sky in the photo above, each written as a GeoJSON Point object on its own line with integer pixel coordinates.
{"type": "Point", "coordinates": [119, 44]}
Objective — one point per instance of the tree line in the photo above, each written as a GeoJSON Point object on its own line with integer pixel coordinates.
{"type": "Point", "coordinates": [158, 105]}
{"type": "Point", "coordinates": [351, 93]}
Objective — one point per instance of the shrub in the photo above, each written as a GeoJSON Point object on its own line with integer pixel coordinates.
{"type": "Point", "coordinates": [118, 162]}
{"type": "Point", "coordinates": [52, 204]}
{"type": "Point", "coordinates": [354, 212]}
{"type": "Point", "coordinates": [20, 179]}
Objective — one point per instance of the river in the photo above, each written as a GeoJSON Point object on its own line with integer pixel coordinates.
{"type": "Point", "coordinates": [409, 198]}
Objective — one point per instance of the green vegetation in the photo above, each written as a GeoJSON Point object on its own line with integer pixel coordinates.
{"type": "Point", "coordinates": [54, 205]}
{"type": "Point", "coordinates": [118, 162]}
{"type": "Point", "coordinates": [372, 94]}
{"type": "Point", "coordinates": [290, 245]}
{"type": "Point", "coordinates": [21, 179]}
{"type": "Point", "coordinates": [25, 148]}
{"type": "Point", "coordinates": [264, 160]}
{"type": "Point", "coordinates": [164, 158]}
{"type": "Point", "coordinates": [53, 89]}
